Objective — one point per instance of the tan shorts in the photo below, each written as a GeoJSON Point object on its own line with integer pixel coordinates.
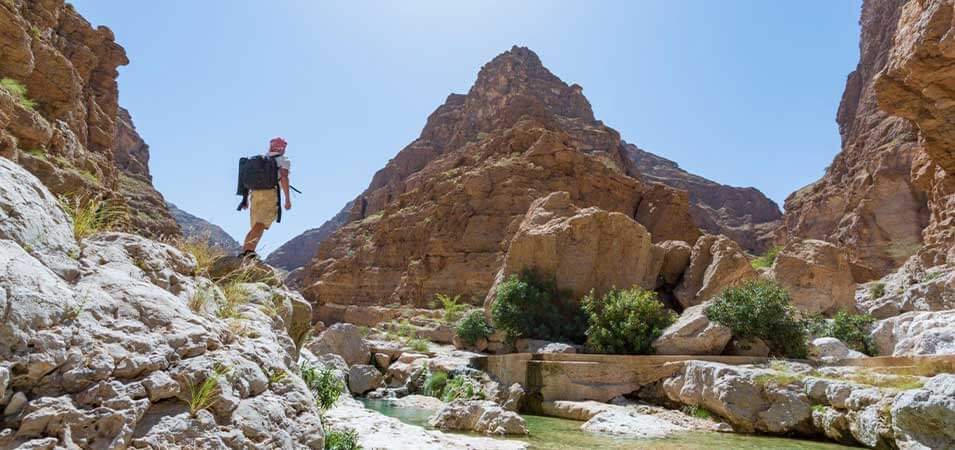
{"type": "Point", "coordinates": [264, 207]}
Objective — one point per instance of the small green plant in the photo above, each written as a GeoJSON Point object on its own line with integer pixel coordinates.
{"type": "Point", "coordinates": [461, 387]}
{"type": "Point", "coordinates": [876, 290]}
{"type": "Point", "coordinates": [418, 344]}
{"type": "Point", "coordinates": [405, 330]}
{"type": "Point", "coordinates": [473, 327]}
{"type": "Point", "coordinates": [342, 440]}
{"type": "Point", "coordinates": [364, 331]}
{"type": "Point", "coordinates": [761, 309]}
{"type": "Point", "coordinates": [530, 306]}
{"type": "Point", "coordinates": [778, 378]}
{"type": "Point", "coordinates": [452, 309]}
{"type": "Point", "coordinates": [853, 330]}
{"type": "Point", "coordinates": [19, 91]}
{"type": "Point", "coordinates": [325, 386]}
{"type": "Point", "coordinates": [821, 409]}
{"type": "Point", "coordinates": [92, 216]}
{"type": "Point", "coordinates": [205, 394]}
{"type": "Point", "coordinates": [930, 276]}
{"type": "Point", "coordinates": [766, 259]}
{"type": "Point", "coordinates": [697, 411]}
{"type": "Point", "coordinates": [36, 153]}
{"type": "Point", "coordinates": [278, 376]}
{"type": "Point", "coordinates": [626, 321]}
{"type": "Point", "coordinates": [435, 383]}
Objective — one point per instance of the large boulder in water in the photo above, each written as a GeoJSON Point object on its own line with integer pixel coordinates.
{"type": "Point", "coordinates": [479, 416]}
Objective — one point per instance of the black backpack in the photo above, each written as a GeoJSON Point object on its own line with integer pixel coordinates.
{"type": "Point", "coordinates": [257, 172]}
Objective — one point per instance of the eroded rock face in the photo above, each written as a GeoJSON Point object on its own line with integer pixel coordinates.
{"type": "Point", "coordinates": [743, 214]}
{"type": "Point", "coordinates": [925, 418]}
{"type": "Point", "coordinates": [342, 339]}
{"type": "Point", "coordinates": [559, 239]}
{"type": "Point", "coordinates": [817, 276]}
{"type": "Point", "coordinates": [911, 288]}
{"type": "Point", "coordinates": [916, 333]}
{"type": "Point", "coordinates": [716, 263]}
{"type": "Point", "coordinates": [299, 250]}
{"type": "Point", "coordinates": [111, 354]}
{"type": "Point", "coordinates": [75, 138]}
{"type": "Point", "coordinates": [867, 201]}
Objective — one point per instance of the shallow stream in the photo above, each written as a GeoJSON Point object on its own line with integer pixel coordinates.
{"type": "Point", "coordinates": [549, 433]}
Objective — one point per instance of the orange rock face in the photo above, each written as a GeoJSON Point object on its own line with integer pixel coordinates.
{"type": "Point", "coordinates": [439, 217]}
{"type": "Point", "coordinates": [867, 201]}
{"type": "Point", "coordinates": [918, 84]}
{"type": "Point", "coordinates": [66, 128]}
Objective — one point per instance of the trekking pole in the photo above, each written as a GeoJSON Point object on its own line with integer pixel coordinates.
{"type": "Point", "coordinates": [293, 188]}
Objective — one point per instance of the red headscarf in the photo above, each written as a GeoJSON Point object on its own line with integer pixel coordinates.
{"type": "Point", "coordinates": [277, 145]}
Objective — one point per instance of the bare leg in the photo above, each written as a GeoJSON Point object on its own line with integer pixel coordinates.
{"type": "Point", "coordinates": [252, 239]}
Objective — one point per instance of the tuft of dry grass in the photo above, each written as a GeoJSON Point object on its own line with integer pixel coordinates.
{"type": "Point", "coordinates": [93, 215]}
{"type": "Point", "coordinates": [205, 394]}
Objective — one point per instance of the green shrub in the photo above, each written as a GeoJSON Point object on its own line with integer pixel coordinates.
{"type": "Point", "coordinates": [405, 330]}
{"type": "Point", "coordinates": [530, 306]}
{"type": "Point", "coordinates": [434, 384]}
{"type": "Point", "coordinates": [473, 327]}
{"type": "Point", "coordinates": [205, 394]}
{"type": "Point", "coordinates": [876, 290]}
{"type": "Point", "coordinates": [761, 309]}
{"type": "Point", "coordinates": [852, 329]}
{"type": "Point", "coordinates": [697, 411]}
{"type": "Point", "coordinates": [19, 91]}
{"type": "Point", "coordinates": [766, 259]}
{"type": "Point", "coordinates": [626, 321]}
{"type": "Point", "coordinates": [342, 440]}
{"type": "Point", "coordinates": [452, 309]}
{"type": "Point", "coordinates": [461, 387]}
{"type": "Point", "coordinates": [325, 386]}
{"type": "Point", "coordinates": [418, 344]}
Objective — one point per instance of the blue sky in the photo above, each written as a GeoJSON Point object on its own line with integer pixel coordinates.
{"type": "Point", "coordinates": [741, 92]}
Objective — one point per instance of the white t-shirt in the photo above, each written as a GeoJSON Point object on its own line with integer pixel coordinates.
{"type": "Point", "coordinates": [281, 161]}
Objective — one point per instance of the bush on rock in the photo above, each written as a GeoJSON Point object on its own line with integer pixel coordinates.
{"type": "Point", "coordinates": [761, 309]}
{"type": "Point", "coordinates": [626, 321]}
{"type": "Point", "coordinates": [473, 327]}
{"type": "Point", "coordinates": [530, 306]}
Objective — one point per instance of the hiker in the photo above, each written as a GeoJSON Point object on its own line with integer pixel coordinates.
{"type": "Point", "coordinates": [260, 178]}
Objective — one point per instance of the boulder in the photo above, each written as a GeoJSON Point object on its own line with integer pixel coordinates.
{"type": "Point", "coordinates": [382, 360]}
{"type": "Point", "coordinates": [557, 238]}
{"type": "Point", "coordinates": [830, 349]}
{"type": "Point", "coordinates": [736, 394]}
{"type": "Point", "coordinates": [676, 258]}
{"type": "Point", "coordinates": [479, 416]}
{"type": "Point", "coordinates": [817, 276]}
{"type": "Point", "coordinates": [716, 263]}
{"type": "Point", "coordinates": [363, 378]}
{"type": "Point", "coordinates": [631, 424]}
{"type": "Point", "coordinates": [515, 395]}
{"type": "Point", "coordinates": [910, 288]}
{"type": "Point", "coordinates": [342, 339]}
{"type": "Point", "coordinates": [693, 334]}
{"type": "Point", "coordinates": [916, 333]}
{"type": "Point", "coordinates": [925, 418]}
{"type": "Point", "coordinates": [479, 345]}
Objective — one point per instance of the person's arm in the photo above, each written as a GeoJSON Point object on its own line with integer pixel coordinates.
{"type": "Point", "coordinates": [283, 181]}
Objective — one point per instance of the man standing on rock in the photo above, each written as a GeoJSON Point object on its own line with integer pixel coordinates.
{"type": "Point", "coordinates": [260, 178]}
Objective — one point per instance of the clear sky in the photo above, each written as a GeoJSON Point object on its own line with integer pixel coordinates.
{"type": "Point", "coordinates": [741, 92]}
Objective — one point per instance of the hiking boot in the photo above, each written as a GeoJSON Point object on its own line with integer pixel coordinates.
{"type": "Point", "coordinates": [248, 254]}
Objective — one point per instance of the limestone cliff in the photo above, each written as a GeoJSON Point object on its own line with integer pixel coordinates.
{"type": "Point", "coordinates": [439, 216]}
{"type": "Point", "coordinates": [867, 201]}
{"type": "Point", "coordinates": [59, 116]}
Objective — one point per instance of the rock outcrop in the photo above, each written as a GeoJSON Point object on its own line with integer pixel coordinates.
{"type": "Point", "coordinates": [439, 217]}
{"type": "Point", "coordinates": [716, 263]}
{"type": "Point", "coordinates": [744, 214]}
{"type": "Point", "coordinates": [916, 333]}
{"type": "Point", "coordinates": [198, 228]}
{"type": "Point", "coordinates": [299, 250]}
{"type": "Point", "coordinates": [59, 116]}
{"type": "Point", "coordinates": [890, 192]}
{"type": "Point", "coordinates": [817, 276]}
{"type": "Point", "coordinates": [693, 334]}
{"type": "Point", "coordinates": [582, 249]}
{"type": "Point", "coordinates": [109, 351]}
